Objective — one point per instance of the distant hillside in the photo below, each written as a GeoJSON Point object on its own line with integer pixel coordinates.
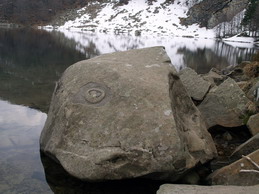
{"type": "Point", "coordinates": [29, 12]}
{"type": "Point", "coordinates": [191, 18]}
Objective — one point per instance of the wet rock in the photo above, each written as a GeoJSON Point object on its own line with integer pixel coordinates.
{"type": "Point", "coordinates": [194, 189]}
{"type": "Point", "coordinates": [231, 175]}
{"type": "Point", "coordinates": [196, 87]}
{"type": "Point", "coordinates": [225, 105]}
{"type": "Point", "coordinates": [246, 148]}
{"type": "Point", "coordinates": [110, 118]}
{"type": "Point", "coordinates": [253, 124]}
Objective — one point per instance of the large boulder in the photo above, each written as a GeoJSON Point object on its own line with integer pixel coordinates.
{"type": "Point", "coordinates": [194, 189]}
{"type": "Point", "coordinates": [110, 118]}
{"type": "Point", "coordinates": [225, 105]}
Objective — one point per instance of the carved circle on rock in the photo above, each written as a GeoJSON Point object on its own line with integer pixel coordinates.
{"type": "Point", "coordinates": [96, 94]}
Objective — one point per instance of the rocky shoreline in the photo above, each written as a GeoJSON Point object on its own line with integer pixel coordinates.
{"type": "Point", "coordinates": [111, 118]}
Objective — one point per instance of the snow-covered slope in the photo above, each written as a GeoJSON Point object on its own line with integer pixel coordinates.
{"type": "Point", "coordinates": [138, 16]}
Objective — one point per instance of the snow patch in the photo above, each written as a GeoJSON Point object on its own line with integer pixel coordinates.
{"type": "Point", "coordinates": [159, 18]}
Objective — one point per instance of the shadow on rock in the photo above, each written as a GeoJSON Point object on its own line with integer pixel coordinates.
{"type": "Point", "coordinates": [61, 182]}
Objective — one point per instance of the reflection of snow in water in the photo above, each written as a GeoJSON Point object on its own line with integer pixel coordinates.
{"type": "Point", "coordinates": [107, 43]}
{"type": "Point", "coordinates": [19, 125]}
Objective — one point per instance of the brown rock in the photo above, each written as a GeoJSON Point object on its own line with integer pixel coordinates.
{"type": "Point", "coordinates": [231, 175]}
{"type": "Point", "coordinates": [196, 189]}
{"type": "Point", "coordinates": [246, 148]}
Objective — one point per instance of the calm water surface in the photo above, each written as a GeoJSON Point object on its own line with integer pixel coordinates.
{"type": "Point", "coordinates": [30, 63]}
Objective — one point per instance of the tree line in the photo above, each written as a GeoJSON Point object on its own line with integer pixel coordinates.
{"type": "Point", "coordinates": [246, 22]}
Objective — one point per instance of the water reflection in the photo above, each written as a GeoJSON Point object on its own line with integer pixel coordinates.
{"type": "Point", "coordinates": [200, 54]}
{"type": "Point", "coordinates": [30, 63]}
{"type": "Point", "coordinates": [20, 167]}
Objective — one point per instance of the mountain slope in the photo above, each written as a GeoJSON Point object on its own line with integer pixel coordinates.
{"type": "Point", "coordinates": [137, 16]}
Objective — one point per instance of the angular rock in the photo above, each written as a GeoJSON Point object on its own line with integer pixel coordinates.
{"type": "Point", "coordinates": [231, 175]}
{"type": "Point", "coordinates": [110, 118]}
{"type": "Point", "coordinates": [225, 105]}
{"type": "Point", "coordinates": [195, 189]}
{"type": "Point", "coordinates": [196, 87]}
{"type": "Point", "coordinates": [214, 77]}
{"type": "Point", "coordinates": [253, 124]}
{"type": "Point", "coordinates": [189, 122]}
{"type": "Point", "coordinates": [246, 148]}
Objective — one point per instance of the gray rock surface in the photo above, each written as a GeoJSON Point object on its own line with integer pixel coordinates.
{"type": "Point", "coordinates": [253, 124]}
{"type": "Point", "coordinates": [195, 85]}
{"type": "Point", "coordinates": [231, 175]}
{"type": "Point", "coordinates": [214, 77]}
{"type": "Point", "coordinates": [110, 118]}
{"type": "Point", "coordinates": [189, 122]}
{"type": "Point", "coordinates": [225, 105]}
{"type": "Point", "coordinates": [246, 148]}
{"type": "Point", "coordinates": [195, 189]}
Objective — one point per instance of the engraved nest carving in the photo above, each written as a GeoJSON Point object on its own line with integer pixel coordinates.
{"type": "Point", "coordinates": [96, 94]}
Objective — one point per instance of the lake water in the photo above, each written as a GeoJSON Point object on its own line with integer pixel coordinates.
{"type": "Point", "coordinates": [31, 61]}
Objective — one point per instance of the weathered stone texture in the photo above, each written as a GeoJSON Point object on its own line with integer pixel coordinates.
{"type": "Point", "coordinates": [195, 85]}
{"type": "Point", "coordinates": [195, 189]}
{"type": "Point", "coordinates": [225, 105]}
{"type": "Point", "coordinates": [110, 118]}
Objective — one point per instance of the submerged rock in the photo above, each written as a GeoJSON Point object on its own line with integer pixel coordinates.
{"type": "Point", "coordinates": [194, 189]}
{"type": "Point", "coordinates": [225, 105]}
{"type": "Point", "coordinates": [110, 118]}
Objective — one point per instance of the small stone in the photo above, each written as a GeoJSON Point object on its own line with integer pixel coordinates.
{"type": "Point", "coordinates": [191, 178]}
{"type": "Point", "coordinates": [227, 136]}
{"type": "Point", "coordinates": [220, 153]}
